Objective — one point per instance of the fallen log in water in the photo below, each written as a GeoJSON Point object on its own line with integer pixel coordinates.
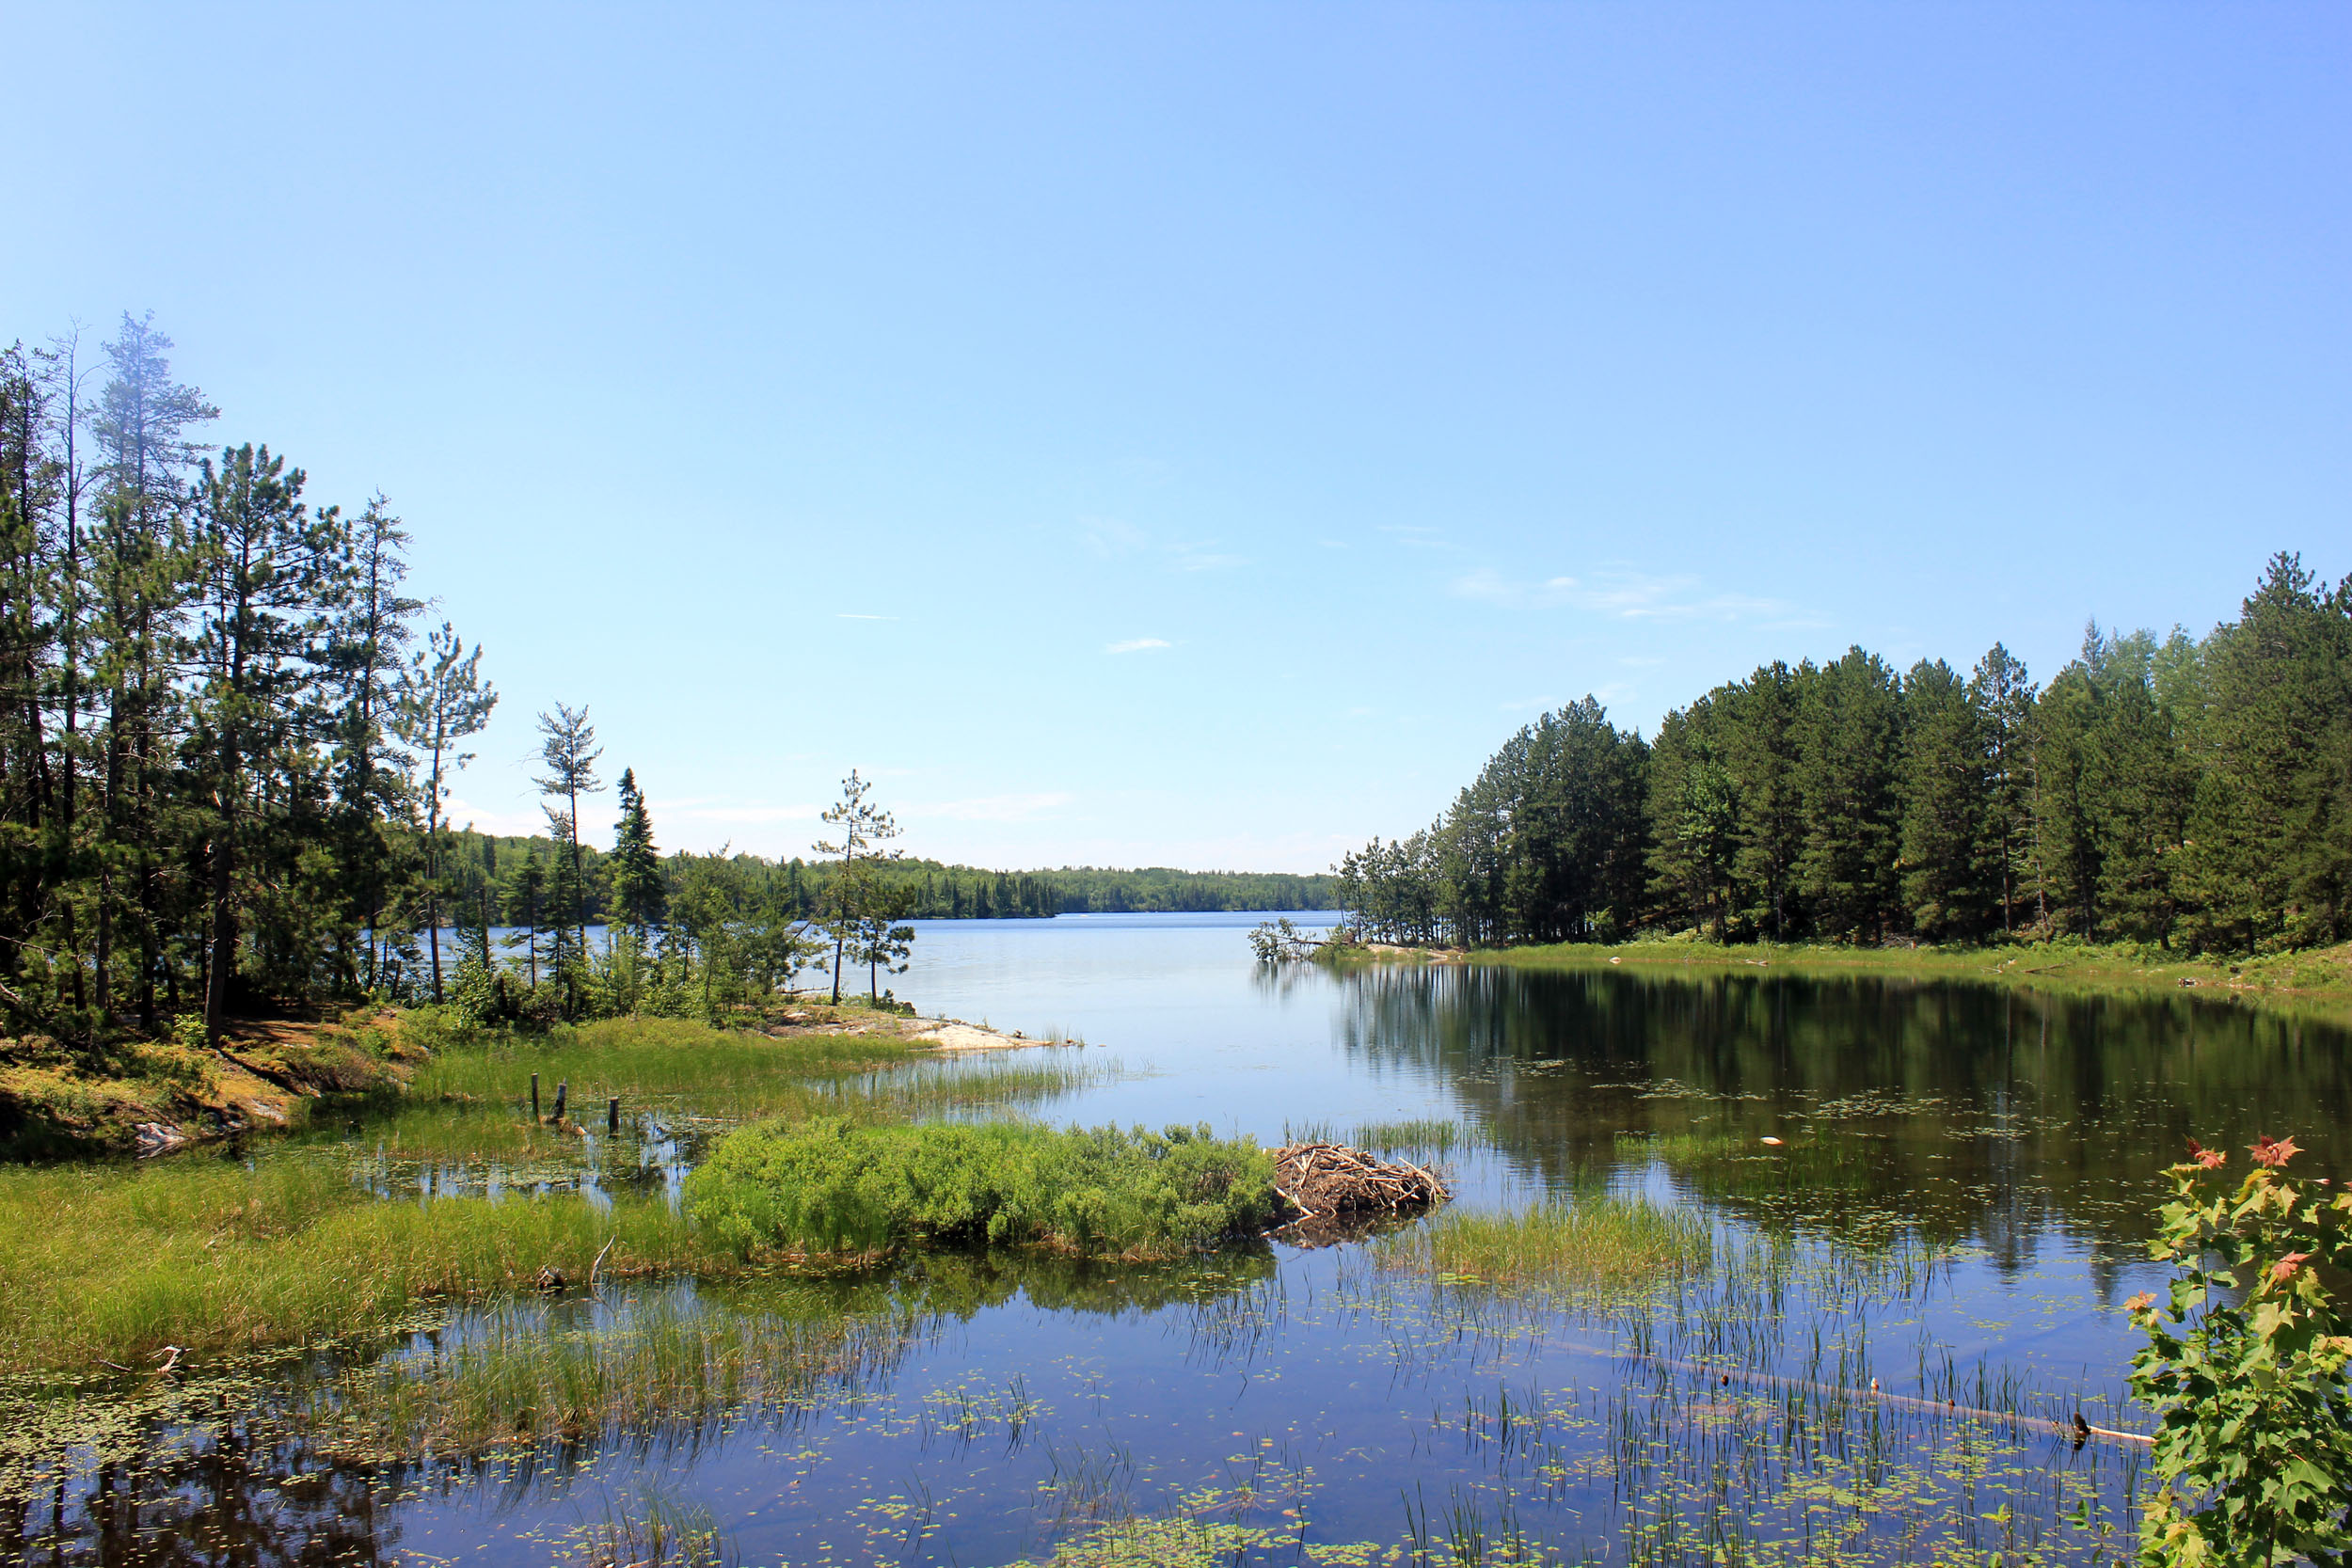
{"type": "Point", "coordinates": [1325, 1180]}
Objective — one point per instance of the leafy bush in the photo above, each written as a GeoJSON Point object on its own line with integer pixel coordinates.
{"type": "Point", "coordinates": [830, 1186]}
{"type": "Point", "coordinates": [2245, 1368]}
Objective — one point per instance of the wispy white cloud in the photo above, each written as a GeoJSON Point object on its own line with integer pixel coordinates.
{"type": "Point", "coordinates": [1106, 538]}
{"type": "Point", "coordinates": [1416, 536]}
{"type": "Point", "coordinates": [1624, 594]}
{"type": "Point", "coordinates": [1000, 808]}
{"type": "Point", "coordinates": [1137, 645]}
{"type": "Point", "coordinates": [847, 615]}
{"type": "Point", "coordinates": [1188, 558]}
{"type": "Point", "coordinates": [1109, 539]}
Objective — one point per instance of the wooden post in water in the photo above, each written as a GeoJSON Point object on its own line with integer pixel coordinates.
{"type": "Point", "coordinates": [534, 1097]}
{"type": "Point", "coordinates": [562, 1087]}
{"type": "Point", "coordinates": [612, 1115]}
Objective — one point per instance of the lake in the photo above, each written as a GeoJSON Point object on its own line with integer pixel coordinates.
{"type": "Point", "coordinates": [1901, 1309]}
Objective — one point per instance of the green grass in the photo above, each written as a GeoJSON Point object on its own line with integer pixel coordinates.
{"type": "Point", "coordinates": [831, 1187]}
{"type": "Point", "coordinates": [1433, 1135]}
{"type": "Point", "coordinates": [642, 1059]}
{"type": "Point", "coordinates": [2318, 981]}
{"type": "Point", "coordinates": [1565, 1245]}
{"type": "Point", "coordinates": [103, 1265]}
{"type": "Point", "coordinates": [108, 1263]}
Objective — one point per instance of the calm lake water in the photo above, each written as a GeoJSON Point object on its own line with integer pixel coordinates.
{"type": "Point", "coordinates": [1957, 1210]}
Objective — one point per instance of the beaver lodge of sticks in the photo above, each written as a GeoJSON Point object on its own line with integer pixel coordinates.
{"type": "Point", "coordinates": [1332, 1181]}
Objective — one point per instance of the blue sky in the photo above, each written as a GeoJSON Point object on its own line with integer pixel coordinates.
{"type": "Point", "coordinates": [1200, 434]}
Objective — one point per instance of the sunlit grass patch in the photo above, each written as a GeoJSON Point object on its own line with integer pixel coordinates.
{"type": "Point", "coordinates": [831, 1186]}
{"type": "Point", "coordinates": [1572, 1243]}
{"type": "Point", "coordinates": [636, 1058]}
{"type": "Point", "coordinates": [101, 1265]}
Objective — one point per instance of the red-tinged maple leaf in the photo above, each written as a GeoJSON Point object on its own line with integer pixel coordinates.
{"type": "Point", "coordinates": [2274, 1155]}
{"type": "Point", "coordinates": [2284, 1270]}
{"type": "Point", "coordinates": [2141, 1302]}
{"type": "Point", "coordinates": [2210, 1158]}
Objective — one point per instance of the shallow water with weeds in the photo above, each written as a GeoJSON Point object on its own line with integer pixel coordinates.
{"type": "Point", "coordinates": [1643, 1334]}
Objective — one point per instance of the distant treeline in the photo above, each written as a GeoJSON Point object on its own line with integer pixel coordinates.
{"type": "Point", "coordinates": [2193, 793]}
{"type": "Point", "coordinates": [481, 864]}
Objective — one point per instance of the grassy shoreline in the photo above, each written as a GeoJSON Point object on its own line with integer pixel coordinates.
{"type": "Point", "coordinates": [273, 1075]}
{"type": "Point", "coordinates": [105, 1263]}
{"type": "Point", "coordinates": [2317, 981]}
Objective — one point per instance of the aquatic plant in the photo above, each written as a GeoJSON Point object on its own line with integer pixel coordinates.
{"type": "Point", "coordinates": [1423, 1134]}
{"type": "Point", "coordinates": [2246, 1368]}
{"type": "Point", "coordinates": [652, 1531]}
{"type": "Point", "coordinates": [514, 1375]}
{"type": "Point", "coordinates": [830, 1186]}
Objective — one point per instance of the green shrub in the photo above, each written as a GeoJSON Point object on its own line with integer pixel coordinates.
{"type": "Point", "coordinates": [830, 1186]}
{"type": "Point", "coordinates": [2245, 1368]}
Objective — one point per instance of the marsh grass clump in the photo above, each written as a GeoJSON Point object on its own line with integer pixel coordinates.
{"type": "Point", "coordinates": [1589, 1240]}
{"type": "Point", "coordinates": [1433, 1135]}
{"type": "Point", "coordinates": [652, 1532]}
{"type": "Point", "coordinates": [830, 1186]}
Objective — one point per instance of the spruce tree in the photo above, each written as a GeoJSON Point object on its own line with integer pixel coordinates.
{"type": "Point", "coordinates": [1847, 731]}
{"type": "Point", "coordinates": [634, 869]}
{"type": "Point", "coordinates": [1759, 750]}
{"type": "Point", "coordinates": [262, 561]}
{"type": "Point", "coordinates": [1694, 808]}
{"type": "Point", "coordinates": [1943, 795]}
{"type": "Point", "coordinates": [2003, 695]}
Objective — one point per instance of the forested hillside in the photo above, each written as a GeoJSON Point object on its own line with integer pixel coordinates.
{"type": "Point", "coordinates": [2194, 793]}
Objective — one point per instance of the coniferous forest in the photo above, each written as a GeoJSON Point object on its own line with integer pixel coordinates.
{"type": "Point", "coordinates": [229, 733]}
{"type": "Point", "coordinates": [2188, 793]}
{"type": "Point", "coordinates": [217, 722]}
